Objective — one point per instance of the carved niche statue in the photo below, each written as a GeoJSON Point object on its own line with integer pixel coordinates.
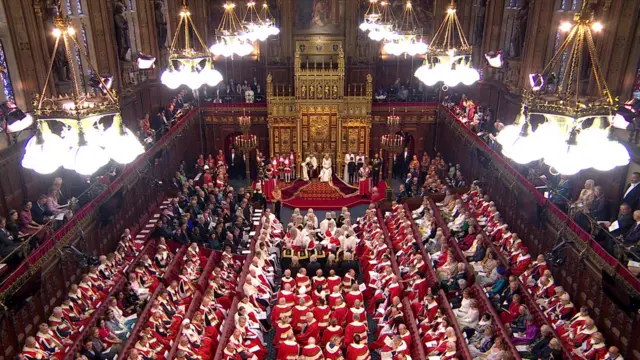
{"type": "Point", "coordinates": [122, 31]}
{"type": "Point", "coordinates": [519, 30]}
{"type": "Point", "coordinates": [61, 70]}
{"type": "Point", "coordinates": [478, 33]}
{"type": "Point", "coordinates": [161, 24]}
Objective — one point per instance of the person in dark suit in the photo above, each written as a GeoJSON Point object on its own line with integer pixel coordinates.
{"type": "Point", "coordinates": [40, 213]}
{"type": "Point", "coordinates": [599, 209]}
{"type": "Point", "coordinates": [631, 194]}
{"type": "Point", "coordinates": [625, 220]}
{"type": "Point", "coordinates": [397, 166]}
{"type": "Point", "coordinates": [7, 244]}
{"type": "Point", "coordinates": [408, 183]}
{"type": "Point", "coordinates": [313, 266]}
{"type": "Point", "coordinates": [233, 160]}
{"type": "Point", "coordinates": [481, 252]}
{"type": "Point", "coordinates": [402, 195]}
{"type": "Point", "coordinates": [562, 193]}
{"type": "Point", "coordinates": [348, 264]}
{"type": "Point", "coordinates": [89, 351]}
{"type": "Point", "coordinates": [546, 336]}
{"type": "Point", "coordinates": [406, 159]}
{"type": "Point", "coordinates": [633, 236]}
{"type": "Point", "coordinates": [376, 165]}
{"type": "Point", "coordinates": [351, 170]}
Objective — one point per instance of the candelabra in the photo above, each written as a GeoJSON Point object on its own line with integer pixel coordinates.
{"type": "Point", "coordinates": [392, 143]}
{"type": "Point", "coordinates": [246, 142]}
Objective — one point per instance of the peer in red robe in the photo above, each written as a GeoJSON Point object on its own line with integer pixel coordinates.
{"type": "Point", "coordinates": [280, 310]}
{"type": "Point", "coordinates": [288, 349]}
{"type": "Point", "coordinates": [358, 350]}
{"type": "Point", "coordinates": [311, 351]}
{"type": "Point", "coordinates": [355, 328]}
{"type": "Point", "coordinates": [310, 330]}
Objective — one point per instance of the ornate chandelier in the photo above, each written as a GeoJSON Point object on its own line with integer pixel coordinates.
{"type": "Point", "coordinates": [371, 17]}
{"type": "Point", "coordinates": [231, 38]}
{"type": "Point", "coordinates": [408, 36]}
{"type": "Point", "coordinates": [448, 60]}
{"type": "Point", "coordinates": [577, 131]}
{"type": "Point", "coordinates": [83, 145]}
{"type": "Point", "coordinates": [258, 27]}
{"type": "Point", "coordinates": [191, 72]}
{"type": "Point", "coordinates": [384, 26]}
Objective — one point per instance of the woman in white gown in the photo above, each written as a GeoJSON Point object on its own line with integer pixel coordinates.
{"type": "Point", "coordinates": [310, 163]}
{"type": "Point", "coordinates": [326, 172]}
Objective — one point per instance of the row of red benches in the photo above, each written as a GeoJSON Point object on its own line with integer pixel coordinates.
{"type": "Point", "coordinates": [229, 325]}
{"type": "Point", "coordinates": [417, 350]}
{"type": "Point", "coordinates": [484, 304]}
{"type": "Point", "coordinates": [148, 249]}
{"type": "Point", "coordinates": [442, 300]}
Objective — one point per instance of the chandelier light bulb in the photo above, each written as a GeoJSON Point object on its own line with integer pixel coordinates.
{"type": "Point", "coordinates": [122, 145]}
{"type": "Point", "coordinates": [44, 152]}
{"type": "Point", "coordinates": [451, 78]}
{"type": "Point", "coordinates": [523, 149]}
{"type": "Point", "coordinates": [210, 76]}
{"type": "Point", "coordinates": [86, 159]}
{"type": "Point", "coordinates": [190, 77]}
{"type": "Point", "coordinates": [566, 26]}
{"type": "Point", "coordinates": [569, 161]}
{"type": "Point", "coordinates": [468, 75]}
{"type": "Point", "coordinates": [170, 78]}
{"type": "Point", "coordinates": [597, 27]}
{"type": "Point", "coordinates": [507, 136]}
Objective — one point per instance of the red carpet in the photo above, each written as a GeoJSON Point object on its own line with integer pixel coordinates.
{"type": "Point", "coordinates": [321, 195]}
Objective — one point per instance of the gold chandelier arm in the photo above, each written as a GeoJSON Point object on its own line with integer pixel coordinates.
{"type": "Point", "coordinates": [72, 70]}
{"type": "Point", "coordinates": [111, 96]}
{"type": "Point", "coordinates": [46, 82]}
{"type": "Point", "coordinates": [436, 36]}
{"type": "Point", "coordinates": [597, 72]}
{"type": "Point", "coordinates": [573, 57]}
{"type": "Point", "coordinates": [463, 38]}
{"type": "Point", "coordinates": [204, 46]}
{"type": "Point", "coordinates": [554, 60]}
{"type": "Point", "coordinates": [187, 44]}
{"type": "Point", "coordinates": [175, 36]}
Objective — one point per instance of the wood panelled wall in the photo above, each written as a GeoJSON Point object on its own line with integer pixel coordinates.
{"type": "Point", "coordinates": [581, 274]}
{"type": "Point", "coordinates": [56, 278]}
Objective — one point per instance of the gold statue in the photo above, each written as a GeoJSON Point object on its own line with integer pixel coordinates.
{"type": "Point", "coordinates": [311, 90]}
{"type": "Point", "coordinates": [303, 90]}
{"type": "Point", "coordinates": [319, 92]}
{"type": "Point", "coordinates": [334, 91]}
{"type": "Point", "coordinates": [327, 95]}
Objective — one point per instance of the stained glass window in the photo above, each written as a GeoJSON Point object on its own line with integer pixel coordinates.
{"type": "Point", "coordinates": [81, 72]}
{"type": "Point", "coordinates": [574, 5]}
{"type": "Point", "coordinates": [79, 7]}
{"type": "Point", "coordinates": [6, 78]}
{"type": "Point", "coordinates": [69, 8]}
{"type": "Point", "coordinates": [86, 46]}
{"type": "Point", "coordinates": [563, 61]}
{"type": "Point", "coordinates": [564, 5]}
